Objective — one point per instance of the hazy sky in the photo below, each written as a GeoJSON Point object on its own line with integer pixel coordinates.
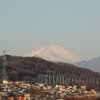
{"type": "Point", "coordinates": [26, 25]}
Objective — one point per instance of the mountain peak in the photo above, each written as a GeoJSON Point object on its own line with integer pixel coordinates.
{"type": "Point", "coordinates": [55, 53]}
{"type": "Point", "coordinates": [54, 45]}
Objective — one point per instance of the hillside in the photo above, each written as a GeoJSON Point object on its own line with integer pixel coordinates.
{"type": "Point", "coordinates": [93, 64]}
{"type": "Point", "coordinates": [27, 68]}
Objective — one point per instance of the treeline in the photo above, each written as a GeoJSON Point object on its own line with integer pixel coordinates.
{"type": "Point", "coordinates": [28, 68]}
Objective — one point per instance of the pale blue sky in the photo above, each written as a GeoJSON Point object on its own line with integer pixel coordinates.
{"type": "Point", "coordinates": [26, 25]}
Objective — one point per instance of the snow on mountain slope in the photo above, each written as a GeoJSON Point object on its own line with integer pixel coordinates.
{"type": "Point", "coordinates": [55, 53]}
{"type": "Point", "coordinates": [93, 64]}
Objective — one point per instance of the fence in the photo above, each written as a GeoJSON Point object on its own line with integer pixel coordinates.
{"type": "Point", "coordinates": [60, 79]}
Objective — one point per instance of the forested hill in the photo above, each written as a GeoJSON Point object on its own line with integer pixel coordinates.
{"type": "Point", "coordinates": [27, 68]}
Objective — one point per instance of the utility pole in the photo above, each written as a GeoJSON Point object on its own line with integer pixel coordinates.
{"type": "Point", "coordinates": [66, 81]}
{"type": "Point", "coordinates": [60, 79]}
{"type": "Point", "coordinates": [63, 80]}
{"type": "Point", "coordinates": [53, 79]}
{"type": "Point", "coordinates": [49, 81]}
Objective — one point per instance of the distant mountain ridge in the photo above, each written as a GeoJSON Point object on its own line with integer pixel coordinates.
{"type": "Point", "coordinates": [93, 64]}
{"type": "Point", "coordinates": [55, 53]}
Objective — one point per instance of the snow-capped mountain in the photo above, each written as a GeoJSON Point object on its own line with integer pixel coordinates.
{"type": "Point", "coordinates": [55, 53]}
{"type": "Point", "coordinates": [93, 64]}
